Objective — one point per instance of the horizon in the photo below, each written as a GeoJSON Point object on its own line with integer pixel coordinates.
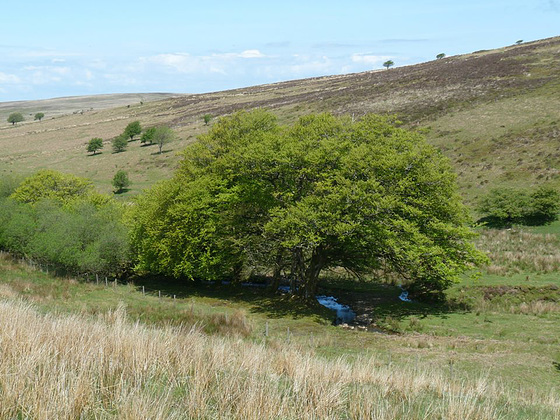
{"type": "Point", "coordinates": [186, 48]}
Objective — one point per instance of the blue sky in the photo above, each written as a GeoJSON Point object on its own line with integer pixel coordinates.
{"type": "Point", "coordinates": [66, 48]}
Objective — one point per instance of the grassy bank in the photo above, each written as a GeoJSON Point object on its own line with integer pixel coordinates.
{"type": "Point", "coordinates": [115, 352]}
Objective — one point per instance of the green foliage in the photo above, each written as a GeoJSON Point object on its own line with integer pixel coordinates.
{"type": "Point", "coordinates": [440, 56]}
{"type": "Point", "coordinates": [148, 135]}
{"type": "Point", "coordinates": [39, 116]}
{"type": "Point", "coordinates": [81, 238]}
{"type": "Point", "coordinates": [53, 185]}
{"type": "Point", "coordinates": [8, 185]}
{"type": "Point", "coordinates": [132, 129]}
{"type": "Point", "coordinates": [15, 117]}
{"type": "Point", "coordinates": [163, 135]}
{"type": "Point", "coordinates": [506, 206]}
{"type": "Point", "coordinates": [207, 118]}
{"type": "Point", "coordinates": [120, 143]}
{"type": "Point", "coordinates": [94, 145]}
{"type": "Point", "coordinates": [325, 193]}
{"type": "Point", "coordinates": [388, 63]}
{"type": "Point", "coordinates": [121, 181]}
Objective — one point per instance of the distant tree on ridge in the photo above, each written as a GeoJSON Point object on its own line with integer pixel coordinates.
{"type": "Point", "coordinates": [388, 63]}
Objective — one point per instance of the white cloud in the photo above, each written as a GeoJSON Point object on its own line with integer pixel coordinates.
{"type": "Point", "coordinates": [369, 59]}
{"type": "Point", "coordinates": [213, 63]}
{"type": "Point", "coordinates": [9, 78]}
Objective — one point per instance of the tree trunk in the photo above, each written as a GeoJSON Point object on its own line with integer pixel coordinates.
{"type": "Point", "coordinates": [306, 273]}
{"type": "Point", "coordinates": [277, 272]}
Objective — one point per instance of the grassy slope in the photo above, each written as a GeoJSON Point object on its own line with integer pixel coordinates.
{"type": "Point", "coordinates": [494, 113]}
{"type": "Point", "coordinates": [510, 374]}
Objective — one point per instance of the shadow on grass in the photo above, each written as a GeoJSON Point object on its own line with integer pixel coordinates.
{"type": "Point", "coordinates": [499, 223]}
{"type": "Point", "coordinates": [121, 191]}
{"type": "Point", "coordinates": [163, 152]}
{"type": "Point", "coordinates": [378, 301]}
{"type": "Point", "coordinates": [259, 299]}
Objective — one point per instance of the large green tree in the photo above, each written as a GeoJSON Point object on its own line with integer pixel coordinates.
{"type": "Point", "coordinates": [324, 193]}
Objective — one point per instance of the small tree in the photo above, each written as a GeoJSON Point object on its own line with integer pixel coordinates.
{"type": "Point", "coordinates": [15, 117]}
{"type": "Point", "coordinates": [207, 118]}
{"type": "Point", "coordinates": [440, 56]}
{"type": "Point", "coordinates": [39, 116]}
{"type": "Point", "coordinates": [121, 181]}
{"type": "Point", "coordinates": [120, 143]}
{"type": "Point", "coordinates": [163, 135]}
{"type": "Point", "coordinates": [132, 129]}
{"type": "Point", "coordinates": [519, 41]}
{"type": "Point", "coordinates": [388, 63]}
{"type": "Point", "coordinates": [94, 145]}
{"type": "Point", "coordinates": [148, 135]}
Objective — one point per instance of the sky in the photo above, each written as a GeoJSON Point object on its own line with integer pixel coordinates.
{"type": "Point", "coordinates": [68, 48]}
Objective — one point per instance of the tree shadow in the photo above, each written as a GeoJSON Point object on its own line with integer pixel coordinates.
{"type": "Point", "coordinates": [261, 300]}
{"type": "Point", "coordinates": [497, 223]}
{"type": "Point", "coordinates": [147, 144]}
{"type": "Point", "coordinates": [163, 152]}
{"type": "Point", "coordinates": [121, 191]}
{"type": "Point", "coordinates": [95, 154]}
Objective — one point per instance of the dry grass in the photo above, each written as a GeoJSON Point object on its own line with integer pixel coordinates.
{"type": "Point", "coordinates": [69, 367]}
{"type": "Point", "coordinates": [516, 251]}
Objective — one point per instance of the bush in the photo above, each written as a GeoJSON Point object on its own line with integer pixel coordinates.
{"type": "Point", "coordinates": [507, 206]}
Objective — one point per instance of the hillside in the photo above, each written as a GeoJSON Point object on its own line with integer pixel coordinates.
{"type": "Point", "coordinates": [495, 114]}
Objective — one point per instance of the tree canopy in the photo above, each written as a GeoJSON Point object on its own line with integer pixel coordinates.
{"type": "Point", "coordinates": [327, 192]}
{"type": "Point", "coordinates": [132, 129]}
{"type": "Point", "coordinates": [388, 63]}
{"type": "Point", "coordinates": [94, 145]}
{"type": "Point", "coordinates": [505, 206]}
{"type": "Point", "coordinates": [15, 117]}
{"type": "Point", "coordinates": [162, 135]}
{"type": "Point", "coordinates": [119, 143]}
{"type": "Point", "coordinates": [121, 181]}
{"type": "Point", "coordinates": [39, 116]}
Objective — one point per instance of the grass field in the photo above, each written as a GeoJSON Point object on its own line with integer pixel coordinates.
{"type": "Point", "coordinates": [491, 351]}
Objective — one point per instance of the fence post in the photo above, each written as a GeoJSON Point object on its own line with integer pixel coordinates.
{"type": "Point", "coordinates": [266, 329]}
{"type": "Point", "coordinates": [143, 290]}
{"type": "Point", "coordinates": [106, 284]}
{"type": "Point", "coordinates": [159, 294]}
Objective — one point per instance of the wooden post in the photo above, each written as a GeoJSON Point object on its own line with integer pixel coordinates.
{"type": "Point", "coordinates": [106, 284]}
{"type": "Point", "coordinates": [266, 329]}
{"type": "Point", "coordinates": [96, 278]}
{"type": "Point", "coordinates": [159, 293]}
{"type": "Point", "coordinates": [143, 290]}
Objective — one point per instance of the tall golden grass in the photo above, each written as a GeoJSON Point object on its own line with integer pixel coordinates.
{"type": "Point", "coordinates": [70, 367]}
